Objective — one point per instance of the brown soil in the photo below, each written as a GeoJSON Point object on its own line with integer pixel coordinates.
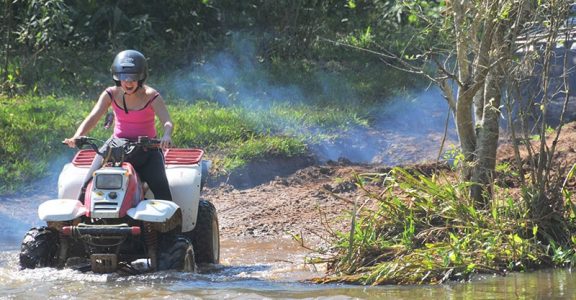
{"type": "Point", "coordinates": [307, 202]}
{"type": "Point", "coordinates": [313, 199]}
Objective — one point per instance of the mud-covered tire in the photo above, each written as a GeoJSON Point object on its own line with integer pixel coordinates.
{"type": "Point", "coordinates": [206, 235]}
{"type": "Point", "coordinates": [39, 248]}
{"type": "Point", "coordinates": [176, 253]}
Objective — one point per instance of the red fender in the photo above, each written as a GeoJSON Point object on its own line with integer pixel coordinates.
{"type": "Point", "coordinates": [134, 192]}
{"type": "Point", "coordinates": [132, 196]}
{"type": "Point", "coordinates": [88, 198]}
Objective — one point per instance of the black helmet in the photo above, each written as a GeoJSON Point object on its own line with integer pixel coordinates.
{"type": "Point", "coordinates": [129, 65]}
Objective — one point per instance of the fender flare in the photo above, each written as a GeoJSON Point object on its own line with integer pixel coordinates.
{"type": "Point", "coordinates": [156, 211]}
{"type": "Point", "coordinates": [61, 210]}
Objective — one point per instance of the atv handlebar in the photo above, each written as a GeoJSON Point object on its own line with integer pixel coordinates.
{"type": "Point", "coordinates": [142, 141]}
{"type": "Point", "coordinates": [84, 140]}
{"type": "Point", "coordinates": [125, 146]}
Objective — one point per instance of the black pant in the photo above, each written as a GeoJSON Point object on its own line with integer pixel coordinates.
{"type": "Point", "coordinates": [149, 165]}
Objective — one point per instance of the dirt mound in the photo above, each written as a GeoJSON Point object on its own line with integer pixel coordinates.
{"type": "Point", "coordinates": [286, 205]}
{"type": "Point", "coordinates": [262, 171]}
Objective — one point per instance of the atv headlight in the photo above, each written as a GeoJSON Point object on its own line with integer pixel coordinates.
{"type": "Point", "coordinates": [109, 181]}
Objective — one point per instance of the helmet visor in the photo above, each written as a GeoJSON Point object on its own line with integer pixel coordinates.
{"type": "Point", "coordinates": [128, 77]}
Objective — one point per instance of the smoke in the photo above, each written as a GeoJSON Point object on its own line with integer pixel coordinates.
{"type": "Point", "coordinates": [423, 113]}
{"type": "Point", "coordinates": [19, 211]}
{"type": "Point", "coordinates": [403, 130]}
{"type": "Point", "coordinates": [17, 216]}
{"type": "Point", "coordinates": [231, 77]}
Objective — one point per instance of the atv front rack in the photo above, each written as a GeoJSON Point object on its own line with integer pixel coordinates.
{"type": "Point", "coordinates": [172, 156]}
{"type": "Point", "coordinates": [101, 236]}
{"type": "Point", "coordinates": [96, 230]}
{"type": "Point", "coordinates": [103, 241]}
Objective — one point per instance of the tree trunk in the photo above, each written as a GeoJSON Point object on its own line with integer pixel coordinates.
{"type": "Point", "coordinates": [489, 126]}
{"type": "Point", "coordinates": [466, 133]}
{"type": "Point", "coordinates": [488, 133]}
{"type": "Point", "coordinates": [7, 41]}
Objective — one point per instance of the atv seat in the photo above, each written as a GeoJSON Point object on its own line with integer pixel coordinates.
{"type": "Point", "coordinates": [172, 156]}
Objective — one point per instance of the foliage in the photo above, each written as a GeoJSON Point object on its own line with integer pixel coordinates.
{"type": "Point", "coordinates": [429, 230]}
{"type": "Point", "coordinates": [423, 230]}
{"type": "Point", "coordinates": [65, 47]}
{"type": "Point", "coordinates": [426, 230]}
{"type": "Point", "coordinates": [44, 24]}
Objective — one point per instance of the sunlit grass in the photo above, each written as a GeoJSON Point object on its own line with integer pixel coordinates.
{"type": "Point", "coordinates": [31, 131]}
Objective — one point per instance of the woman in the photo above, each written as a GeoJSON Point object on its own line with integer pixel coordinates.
{"type": "Point", "coordinates": [135, 106]}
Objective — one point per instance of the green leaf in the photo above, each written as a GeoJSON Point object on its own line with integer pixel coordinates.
{"type": "Point", "coordinates": [351, 4]}
{"type": "Point", "coordinates": [452, 257]}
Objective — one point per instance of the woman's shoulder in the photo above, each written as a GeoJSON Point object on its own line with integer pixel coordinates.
{"type": "Point", "coordinates": [150, 91]}
{"type": "Point", "coordinates": [111, 90]}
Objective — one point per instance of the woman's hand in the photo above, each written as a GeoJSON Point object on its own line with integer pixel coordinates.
{"type": "Point", "coordinates": [71, 142]}
{"type": "Point", "coordinates": [165, 141]}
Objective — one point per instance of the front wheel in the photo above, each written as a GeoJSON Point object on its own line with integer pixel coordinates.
{"type": "Point", "coordinates": [206, 235]}
{"type": "Point", "coordinates": [39, 248]}
{"type": "Point", "coordinates": [176, 253]}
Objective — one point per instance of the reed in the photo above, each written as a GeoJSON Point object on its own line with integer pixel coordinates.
{"type": "Point", "coordinates": [425, 229]}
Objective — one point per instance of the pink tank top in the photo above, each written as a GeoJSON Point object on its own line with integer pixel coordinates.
{"type": "Point", "coordinates": [134, 123]}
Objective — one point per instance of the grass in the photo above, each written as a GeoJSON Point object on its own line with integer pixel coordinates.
{"type": "Point", "coordinates": [31, 129]}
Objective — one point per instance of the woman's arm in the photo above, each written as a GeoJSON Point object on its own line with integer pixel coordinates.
{"type": "Point", "coordinates": [164, 117]}
{"type": "Point", "coordinates": [99, 109]}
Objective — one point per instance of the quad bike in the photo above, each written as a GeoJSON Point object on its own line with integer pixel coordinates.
{"type": "Point", "coordinates": [118, 221]}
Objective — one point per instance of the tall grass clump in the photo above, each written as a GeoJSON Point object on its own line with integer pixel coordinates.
{"type": "Point", "coordinates": [425, 229]}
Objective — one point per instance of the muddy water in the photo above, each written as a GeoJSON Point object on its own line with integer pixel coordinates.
{"type": "Point", "coordinates": [250, 269]}
{"type": "Point", "coordinates": [257, 274]}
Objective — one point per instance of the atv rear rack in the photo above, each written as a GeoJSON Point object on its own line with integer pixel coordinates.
{"type": "Point", "coordinates": [172, 156]}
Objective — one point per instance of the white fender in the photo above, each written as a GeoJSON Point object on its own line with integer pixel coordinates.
{"type": "Point", "coordinates": [185, 183]}
{"type": "Point", "coordinates": [153, 210]}
{"type": "Point", "coordinates": [61, 210]}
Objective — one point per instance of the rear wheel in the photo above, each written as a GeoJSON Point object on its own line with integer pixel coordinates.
{"type": "Point", "coordinates": [176, 253]}
{"type": "Point", "coordinates": [206, 235]}
{"type": "Point", "coordinates": [39, 248]}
